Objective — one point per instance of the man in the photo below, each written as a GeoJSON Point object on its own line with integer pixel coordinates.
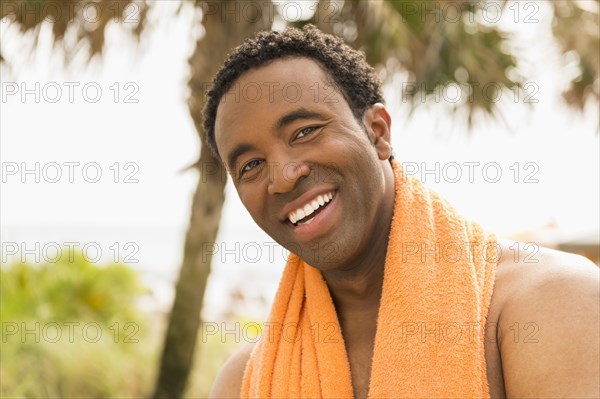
{"type": "Point", "coordinates": [298, 120]}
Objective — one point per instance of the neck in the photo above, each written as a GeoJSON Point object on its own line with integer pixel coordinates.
{"type": "Point", "coordinates": [358, 288]}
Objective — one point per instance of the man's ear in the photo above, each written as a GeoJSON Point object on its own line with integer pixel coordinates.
{"type": "Point", "coordinates": [378, 124]}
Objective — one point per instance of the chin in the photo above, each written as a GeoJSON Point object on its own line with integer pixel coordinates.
{"type": "Point", "coordinates": [327, 256]}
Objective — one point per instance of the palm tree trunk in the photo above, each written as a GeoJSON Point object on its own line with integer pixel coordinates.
{"type": "Point", "coordinates": [223, 31]}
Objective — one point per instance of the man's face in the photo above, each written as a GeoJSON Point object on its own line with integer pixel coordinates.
{"type": "Point", "coordinates": [294, 148]}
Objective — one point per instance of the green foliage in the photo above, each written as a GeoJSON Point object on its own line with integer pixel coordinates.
{"type": "Point", "coordinates": [68, 289]}
{"type": "Point", "coordinates": [29, 15]}
{"type": "Point", "coordinates": [71, 329]}
{"type": "Point", "coordinates": [576, 26]}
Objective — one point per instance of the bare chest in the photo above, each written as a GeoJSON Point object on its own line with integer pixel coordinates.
{"type": "Point", "coordinates": [360, 357]}
{"type": "Point", "coordinates": [359, 331]}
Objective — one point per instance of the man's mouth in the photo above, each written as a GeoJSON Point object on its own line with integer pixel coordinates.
{"type": "Point", "coordinates": [305, 214]}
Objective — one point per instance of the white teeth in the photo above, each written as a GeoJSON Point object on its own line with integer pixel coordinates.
{"type": "Point", "coordinates": [309, 208]}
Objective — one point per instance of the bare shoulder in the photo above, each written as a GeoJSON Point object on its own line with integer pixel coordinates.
{"type": "Point", "coordinates": [524, 264]}
{"type": "Point", "coordinates": [548, 324]}
{"type": "Point", "coordinates": [229, 381]}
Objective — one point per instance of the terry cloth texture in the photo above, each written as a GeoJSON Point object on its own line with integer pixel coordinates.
{"type": "Point", "coordinates": [438, 281]}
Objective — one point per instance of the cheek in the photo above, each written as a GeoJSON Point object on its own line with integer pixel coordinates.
{"type": "Point", "coordinates": [251, 201]}
{"type": "Point", "coordinates": [363, 169]}
{"type": "Point", "coordinates": [357, 153]}
{"type": "Point", "coordinates": [254, 202]}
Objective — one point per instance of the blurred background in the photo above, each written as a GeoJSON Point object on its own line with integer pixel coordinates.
{"type": "Point", "coordinates": [129, 267]}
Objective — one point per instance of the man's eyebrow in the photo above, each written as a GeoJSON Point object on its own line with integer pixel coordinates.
{"type": "Point", "coordinates": [237, 152]}
{"type": "Point", "coordinates": [292, 116]}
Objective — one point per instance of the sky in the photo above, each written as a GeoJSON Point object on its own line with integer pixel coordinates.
{"type": "Point", "coordinates": [107, 145]}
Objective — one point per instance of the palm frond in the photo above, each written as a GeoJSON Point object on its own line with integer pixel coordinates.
{"type": "Point", "coordinates": [88, 20]}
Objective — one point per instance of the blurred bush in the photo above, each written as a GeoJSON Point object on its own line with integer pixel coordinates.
{"type": "Point", "coordinates": [68, 289]}
{"type": "Point", "coordinates": [71, 329]}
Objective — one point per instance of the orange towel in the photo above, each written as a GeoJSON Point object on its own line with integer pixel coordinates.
{"type": "Point", "coordinates": [438, 280]}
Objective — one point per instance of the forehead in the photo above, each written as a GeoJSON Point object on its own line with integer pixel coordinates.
{"type": "Point", "coordinates": [261, 95]}
{"type": "Point", "coordinates": [285, 80]}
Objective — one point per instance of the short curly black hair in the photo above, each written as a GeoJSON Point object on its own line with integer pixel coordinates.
{"type": "Point", "coordinates": [356, 79]}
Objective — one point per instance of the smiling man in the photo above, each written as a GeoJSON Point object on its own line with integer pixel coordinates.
{"type": "Point", "coordinates": [388, 292]}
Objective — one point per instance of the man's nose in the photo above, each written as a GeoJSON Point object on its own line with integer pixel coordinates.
{"type": "Point", "coordinates": [285, 175]}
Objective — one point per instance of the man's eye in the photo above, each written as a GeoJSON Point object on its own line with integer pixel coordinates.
{"type": "Point", "coordinates": [250, 165]}
{"type": "Point", "coordinates": [306, 131]}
